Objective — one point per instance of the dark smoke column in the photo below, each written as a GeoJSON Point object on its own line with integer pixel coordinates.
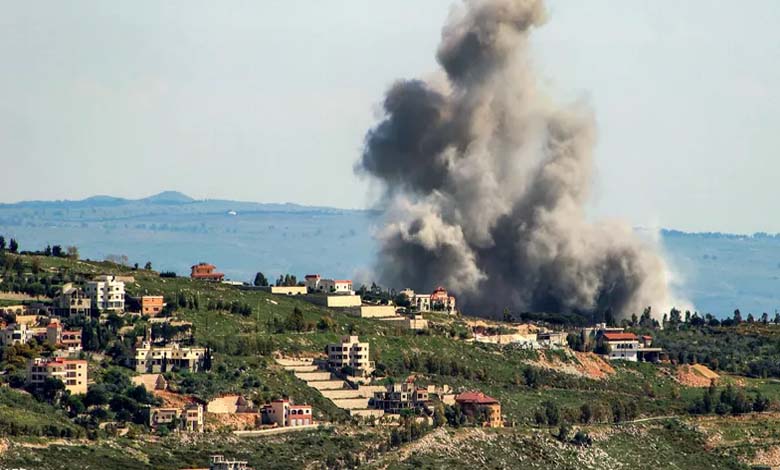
{"type": "Point", "coordinates": [486, 179]}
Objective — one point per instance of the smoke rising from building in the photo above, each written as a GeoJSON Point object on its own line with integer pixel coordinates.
{"type": "Point", "coordinates": [486, 181]}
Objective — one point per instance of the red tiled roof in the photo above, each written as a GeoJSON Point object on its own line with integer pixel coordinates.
{"type": "Point", "coordinates": [477, 398]}
{"type": "Point", "coordinates": [619, 336]}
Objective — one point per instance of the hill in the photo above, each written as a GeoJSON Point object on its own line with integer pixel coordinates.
{"type": "Point", "coordinates": [637, 413]}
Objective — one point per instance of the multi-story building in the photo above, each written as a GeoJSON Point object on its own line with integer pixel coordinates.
{"type": "Point", "coordinates": [72, 373]}
{"type": "Point", "coordinates": [107, 293]}
{"type": "Point", "coordinates": [481, 408]}
{"type": "Point", "coordinates": [16, 333]}
{"type": "Point", "coordinates": [284, 413]}
{"type": "Point", "coordinates": [206, 271]}
{"type": "Point", "coordinates": [149, 358]}
{"type": "Point", "coordinates": [350, 352]}
{"type": "Point", "coordinates": [60, 338]}
{"type": "Point", "coordinates": [401, 396]}
{"type": "Point", "coordinates": [72, 301]}
{"type": "Point", "coordinates": [437, 301]}
{"type": "Point", "coordinates": [189, 418]}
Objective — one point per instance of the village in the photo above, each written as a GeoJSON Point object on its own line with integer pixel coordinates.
{"type": "Point", "coordinates": [343, 372]}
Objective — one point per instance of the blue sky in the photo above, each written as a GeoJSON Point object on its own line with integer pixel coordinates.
{"type": "Point", "coordinates": [269, 101]}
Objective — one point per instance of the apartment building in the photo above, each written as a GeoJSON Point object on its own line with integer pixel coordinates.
{"type": "Point", "coordinates": [401, 396]}
{"type": "Point", "coordinates": [107, 293]}
{"type": "Point", "coordinates": [350, 352]}
{"type": "Point", "coordinates": [72, 373]}
{"type": "Point", "coordinates": [284, 413]}
{"type": "Point", "coordinates": [72, 300]}
{"type": "Point", "coordinates": [59, 337]}
{"type": "Point", "coordinates": [149, 305]}
{"type": "Point", "coordinates": [149, 358]}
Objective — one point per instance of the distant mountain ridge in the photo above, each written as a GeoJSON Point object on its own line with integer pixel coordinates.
{"type": "Point", "coordinates": [718, 272]}
{"type": "Point", "coordinates": [170, 198]}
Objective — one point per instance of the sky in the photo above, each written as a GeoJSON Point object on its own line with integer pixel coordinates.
{"type": "Point", "coordinates": [270, 101]}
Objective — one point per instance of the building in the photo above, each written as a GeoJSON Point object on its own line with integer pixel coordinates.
{"type": "Point", "coordinates": [629, 347]}
{"type": "Point", "coordinates": [72, 301]}
{"type": "Point", "coordinates": [107, 293]}
{"type": "Point", "coordinates": [437, 301]}
{"type": "Point", "coordinates": [189, 418]}
{"type": "Point", "coordinates": [552, 339]}
{"type": "Point", "coordinates": [481, 408]}
{"type": "Point", "coordinates": [350, 352]}
{"type": "Point", "coordinates": [316, 284]}
{"type": "Point", "coordinates": [401, 396]}
{"type": "Point", "coordinates": [284, 413]}
{"type": "Point", "coordinates": [206, 272]}
{"type": "Point", "coordinates": [149, 358]}
{"type": "Point", "coordinates": [149, 305]}
{"type": "Point", "coordinates": [72, 373]}
{"type": "Point", "coordinates": [219, 462]}
{"type": "Point", "coordinates": [61, 338]}
{"type": "Point", "coordinates": [16, 333]}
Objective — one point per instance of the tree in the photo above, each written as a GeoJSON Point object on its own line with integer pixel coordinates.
{"type": "Point", "coordinates": [586, 413]}
{"type": "Point", "coordinates": [563, 432]}
{"type": "Point", "coordinates": [56, 250]}
{"type": "Point", "coordinates": [737, 317]}
{"type": "Point", "coordinates": [260, 280]}
{"type": "Point", "coordinates": [2, 243]}
{"type": "Point", "coordinates": [750, 318]}
{"type": "Point", "coordinates": [13, 246]}
{"type": "Point", "coordinates": [148, 266]}
{"type": "Point", "coordinates": [296, 321]}
{"type": "Point", "coordinates": [47, 250]}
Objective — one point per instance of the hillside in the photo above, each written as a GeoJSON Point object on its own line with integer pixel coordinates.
{"type": "Point", "coordinates": [637, 413]}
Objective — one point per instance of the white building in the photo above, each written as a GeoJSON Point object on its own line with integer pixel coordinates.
{"type": "Point", "coordinates": [316, 284]}
{"type": "Point", "coordinates": [15, 333]}
{"type": "Point", "coordinates": [72, 373]}
{"type": "Point", "coordinates": [107, 293]}
{"type": "Point", "coordinates": [350, 352]}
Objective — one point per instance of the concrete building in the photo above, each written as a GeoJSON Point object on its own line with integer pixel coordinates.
{"type": "Point", "coordinates": [16, 333]}
{"type": "Point", "coordinates": [284, 413]}
{"type": "Point", "coordinates": [72, 301]}
{"type": "Point", "coordinates": [189, 418]}
{"type": "Point", "coordinates": [481, 408]}
{"type": "Point", "coordinates": [149, 305]}
{"type": "Point", "coordinates": [350, 352]}
{"type": "Point", "coordinates": [629, 347]}
{"type": "Point", "coordinates": [107, 293]}
{"type": "Point", "coordinates": [437, 301]}
{"type": "Point", "coordinates": [207, 272]}
{"type": "Point", "coordinates": [316, 284]}
{"type": "Point", "coordinates": [552, 339]}
{"type": "Point", "coordinates": [61, 338]}
{"type": "Point", "coordinates": [72, 373]}
{"type": "Point", "coordinates": [149, 358]}
{"type": "Point", "coordinates": [401, 396]}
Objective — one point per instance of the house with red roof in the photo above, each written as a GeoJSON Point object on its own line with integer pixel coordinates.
{"type": "Point", "coordinates": [206, 272]}
{"type": "Point", "coordinates": [481, 408]}
{"type": "Point", "coordinates": [621, 345]}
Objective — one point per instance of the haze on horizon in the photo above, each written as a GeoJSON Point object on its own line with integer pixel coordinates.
{"type": "Point", "coordinates": [270, 102]}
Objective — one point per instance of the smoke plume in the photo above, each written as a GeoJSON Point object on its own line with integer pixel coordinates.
{"type": "Point", "coordinates": [486, 180]}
